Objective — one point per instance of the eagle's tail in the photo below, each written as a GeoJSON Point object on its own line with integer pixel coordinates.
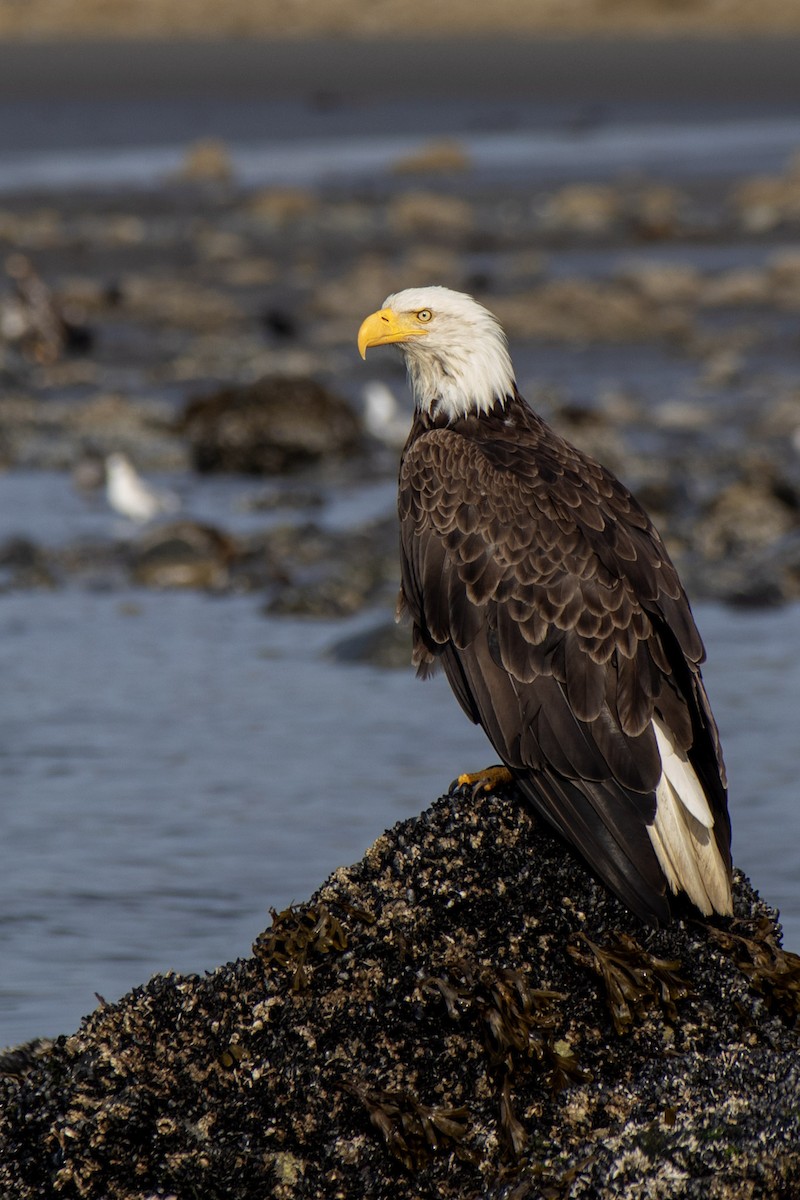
{"type": "Point", "coordinates": [682, 833]}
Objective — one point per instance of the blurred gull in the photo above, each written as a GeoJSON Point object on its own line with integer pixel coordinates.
{"type": "Point", "coordinates": [128, 493]}
{"type": "Point", "coordinates": [384, 419]}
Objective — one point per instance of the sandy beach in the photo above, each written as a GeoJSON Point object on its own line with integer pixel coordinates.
{"type": "Point", "coordinates": [202, 18]}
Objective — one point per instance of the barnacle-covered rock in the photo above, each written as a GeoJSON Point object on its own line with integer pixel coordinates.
{"type": "Point", "coordinates": [465, 1012]}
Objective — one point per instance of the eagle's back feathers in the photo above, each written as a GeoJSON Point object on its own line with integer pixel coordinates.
{"type": "Point", "coordinates": [547, 594]}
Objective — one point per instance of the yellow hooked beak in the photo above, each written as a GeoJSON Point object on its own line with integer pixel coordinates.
{"type": "Point", "coordinates": [386, 326]}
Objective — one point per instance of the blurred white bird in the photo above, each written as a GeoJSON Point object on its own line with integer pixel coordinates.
{"type": "Point", "coordinates": [384, 419]}
{"type": "Point", "coordinates": [128, 493]}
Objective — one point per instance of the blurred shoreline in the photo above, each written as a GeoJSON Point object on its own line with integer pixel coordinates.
{"type": "Point", "coordinates": [739, 71]}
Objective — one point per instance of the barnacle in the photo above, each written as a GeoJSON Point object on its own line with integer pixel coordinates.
{"type": "Point", "coordinates": [17, 1061]}
{"type": "Point", "coordinates": [231, 1056]}
{"type": "Point", "coordinates": [362, 915]}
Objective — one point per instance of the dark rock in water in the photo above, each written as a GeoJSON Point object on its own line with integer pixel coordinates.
{"type": "Point", "coordinates": [744, 516]}
{"type": "Point", "coordinates": [768, 579]}
{"type": "Point", "coordinates": [23, 564]}
{"type": "Point", "coordinates": [283, 497]}
{"type": "Point", "coordinates": [748, 541]}
{"type": "Point", "coordinates": [466, 1012]}
{"type": "Point", "coordinates": [384, 645]}
{"type": "Point", "coordinates": [270, 426]}
{"type": "Point", "coordinates": [333, 573]}
{"type": "Point", "coordinates": [756, 591]}
{"type": "Point", "coordinates": [330, 593]}
{"type": "Point", "coordinates": [183, 554]}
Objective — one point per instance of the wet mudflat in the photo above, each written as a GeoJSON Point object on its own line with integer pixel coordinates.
{"type": "Point", "coordinates": [182, 747]}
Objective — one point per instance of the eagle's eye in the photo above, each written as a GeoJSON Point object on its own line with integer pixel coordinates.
{"type": "Point", "coordinates": [424, 314]}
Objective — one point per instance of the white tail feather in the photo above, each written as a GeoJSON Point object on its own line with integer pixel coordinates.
{"type": "Point", "coordinates": [682, 832]}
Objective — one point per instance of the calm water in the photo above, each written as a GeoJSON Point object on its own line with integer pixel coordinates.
{"type": "Point", "coordinates": [680, 147]}
{"type": "Point", "coordinates": [174, 764]}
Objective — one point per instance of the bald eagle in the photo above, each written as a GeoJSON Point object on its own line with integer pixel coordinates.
{"type": "Point", "coordinates": [542, 587]}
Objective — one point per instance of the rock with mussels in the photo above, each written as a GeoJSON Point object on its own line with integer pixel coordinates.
{"type": "Point", "coordinates": [465, 1012]}
{"type": "Point", "coordinates": [183, 554]}
{"type": "Point", "coordinates": [268, 427]}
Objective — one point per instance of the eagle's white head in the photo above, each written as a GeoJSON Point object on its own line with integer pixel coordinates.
{"type": "Point", "coordinates": [455, 351]}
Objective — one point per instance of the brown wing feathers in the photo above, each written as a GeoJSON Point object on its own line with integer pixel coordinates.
{"type": "Point", "coordinates": [547, 593]}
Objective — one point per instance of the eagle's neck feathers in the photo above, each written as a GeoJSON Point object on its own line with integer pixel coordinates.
{"type": "Point", "coordinates": [469, 381]}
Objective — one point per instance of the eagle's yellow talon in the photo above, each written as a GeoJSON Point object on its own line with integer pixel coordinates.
{"type": "Point", "coordinates": [486, 780]}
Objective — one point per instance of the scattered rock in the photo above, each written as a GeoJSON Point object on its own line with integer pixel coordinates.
{"type": "Point", "coordinates": [654, 211]}
{"type": "Point", "coordinates": [747, 515]}
{"type": "Point", "coordinates": [784, 276]}
{"type": "Point", "coordinates": [333, 595]}
{"type": "Point", "coordinates": [765, 202]}
{"type": "Point", "coordinates": [272, 498]}
{"type": "Point", "coordinates": [781, 416]}
{"type": "Point", "coordinates": [385, 645]}
{"type": "Point", "coordinates": [584, 310]}
{"type": "Point", "coordinates": [741, 287]}
{"type": "Point", "coordinates": [429, 260]}
{"type": "Point", "coordinates": [280, 206]}
{"type": "Point", "coordinates": [33, 228]}
{"type": "Point", "coordinates": [58, 434]}
{"type": "Point", "coordinates": [222, 247]}
{"type": "Point", "coordinates": [722, 368]}
{"type": "Point", "coordinates": [25, 565]}
{"type": "Point", "coordinates": [442, 156]}
{"type": "Point", "coordinates": [207, 160]}
{"type": "Point", "coordinates": [359, 288]}
{"type": "Point", "coordinates": [582, 208]}
{"type": "Point", "coordinates": [209, 284]}
{"type": "Point", "coordinates": [681, 415]}
{"type": "Point", "coordinates": [430, 214]}
{"type": "Point", "coordinates": [773, 578]}
{"type": "Point", "coordinates": [248, 272]}
{"type": "Point", "coordinates": [330, 573]}
{"type": "Point", "coordinates": [269, 427]}
{"type": "Point", "coordinates": [122, 229]}
{"type": "Point", "coordinates": [466, 1012]}
{"type": "Point", "coordinates": [183, 554]}
{"type": "Point", "coordinates": [182, 303]}
{"type": "Point", "coordinates": [663, 283]}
